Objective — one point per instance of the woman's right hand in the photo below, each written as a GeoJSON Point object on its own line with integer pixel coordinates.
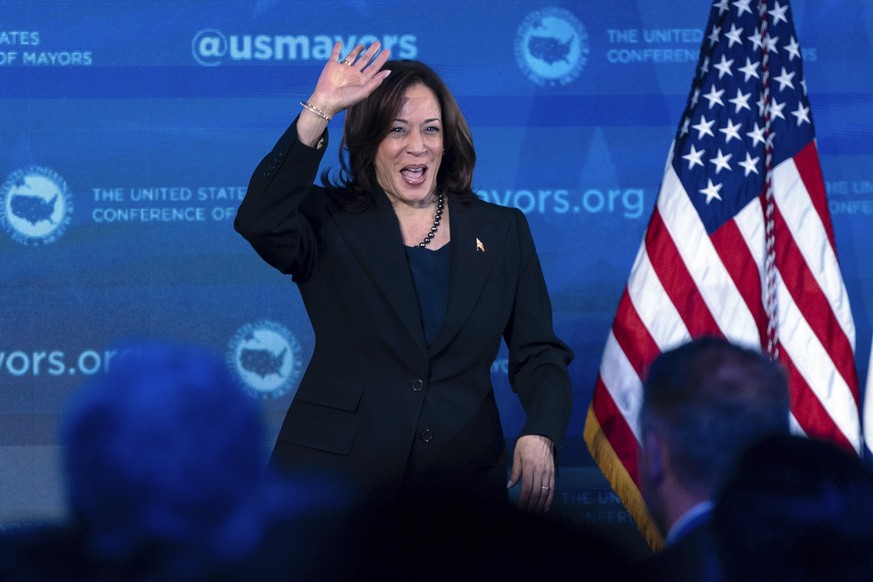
{"type": "Point", "coordinates": [343, 83]}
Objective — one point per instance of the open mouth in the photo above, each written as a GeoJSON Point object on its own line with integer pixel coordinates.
{"type": "Point", "coordinates": [414, 174]}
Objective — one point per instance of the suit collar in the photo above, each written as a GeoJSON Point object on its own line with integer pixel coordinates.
{"type": "Point", "coordinates": [374, 238]}
{"type": "Point", "coordinates": [476, 244]}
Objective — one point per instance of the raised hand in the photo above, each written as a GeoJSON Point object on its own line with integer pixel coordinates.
{"type": "Point", "coordinates": [343, 83]}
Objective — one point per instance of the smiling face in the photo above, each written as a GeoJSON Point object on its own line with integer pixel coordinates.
{"type": "Point", "coordinates": [408, 159]}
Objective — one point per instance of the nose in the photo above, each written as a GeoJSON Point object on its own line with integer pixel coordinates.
{"type": "Point", "coordinates": [415, 143]}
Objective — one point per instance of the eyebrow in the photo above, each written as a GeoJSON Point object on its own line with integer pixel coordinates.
{"type": "Point", "coordinates": [431, 120]}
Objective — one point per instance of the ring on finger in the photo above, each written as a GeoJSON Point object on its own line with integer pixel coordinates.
{"type": "Point", "coordinates": [346, 62]}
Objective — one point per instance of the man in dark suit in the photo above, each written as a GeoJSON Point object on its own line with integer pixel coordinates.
{"type": "Point", "coordinates": [704, 403]}
{"type": "Point", "coordinates": [410, 281]}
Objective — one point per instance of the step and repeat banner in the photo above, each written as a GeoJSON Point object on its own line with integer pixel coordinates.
{"type": "Point", "coordinates": [129, 130]}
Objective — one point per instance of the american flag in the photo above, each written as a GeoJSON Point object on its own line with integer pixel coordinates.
{"type": "Point", "coordinates": [740, 244]}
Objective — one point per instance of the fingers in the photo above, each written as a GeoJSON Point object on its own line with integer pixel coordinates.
{"type": "Point", "coordinates": [533, 463]}
{"type": "Point", "coordinates": [537, 493]}
{"type": "Point", "coordinates": [361, 59]}
{"type": "Point", "coordinates": [335, 53]}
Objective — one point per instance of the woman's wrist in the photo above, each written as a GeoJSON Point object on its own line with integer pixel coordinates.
{"type": "Point", "coordinates": [323, 105]}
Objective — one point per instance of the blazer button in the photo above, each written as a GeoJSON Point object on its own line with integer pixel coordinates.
{"type": "Point", "coordinates": [426, 435]}
{"type": "Point", "coordinates": [417, 385]}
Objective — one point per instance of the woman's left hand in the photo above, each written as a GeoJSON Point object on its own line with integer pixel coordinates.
{"type": "Point", "coordinates": [534, 464]}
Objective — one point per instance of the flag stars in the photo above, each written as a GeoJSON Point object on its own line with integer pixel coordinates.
{"type": "Point", "coordinates": [741, 101]}
{"type": "Point", "coordinates": [704, 66]}
{"type": "Point", "coordinates": [793, 49]}
{"type": "Point", "coordinates": [750, 164]}
{"type": "Point", "coordinates": [714, 97]}
{"type": "Point", "coordinates": [785, 79]}
{"type": "Point", "coordinates": [742, 5]}
{"type": "Point", "coordinates": [722, 5]}
{"type": "Point", "coordinates": [711, 191]}
{"type": "Point", "coordinates": [721, 162]}
{"type": "Point", "coordinates": [802, 114]}
{"type": "Point", "coordinates": [757, 135]}
{"type": "Point", "coordinates": [749, 70]}
{"type": "Point", "coordinates": [778, 13]}
{"type": "Point", "coordinates": [713, 36]}
{"type": "Point", "coordinates": [704, 127]}
{"type": "Point", "coordinates": [731, 131]}
{"type": "Point", "coordinates": [757, 42]}
{"type": "Point", "coordinates": [734, 35]}
{"type": "Point", "coordinates": [724, 67]}
{"type": "Point", "coordinates": [776, 110]}
{"type": "Point", "coordinates": [694, 157]}
{"type": "Point", "coordinates": [771, 43]}
{"type": "Point", "coordinates": [686, 123]}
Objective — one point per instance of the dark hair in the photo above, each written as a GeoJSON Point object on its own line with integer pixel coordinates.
{"type": "Point", "coordinates": [710, 399]}
{"type": "Point", "coordinates": [368, 123]}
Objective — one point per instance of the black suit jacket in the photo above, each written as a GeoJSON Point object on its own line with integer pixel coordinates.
{"type": "Point", "coordinates": [377, 403]}
{"type": "Point", "coordinates": [693, 557]}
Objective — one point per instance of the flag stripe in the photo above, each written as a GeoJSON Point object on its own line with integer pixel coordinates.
{"type": "Point", "coordinates": [810, 234]}
{"type": "Point", "coordinates": [677, 281]}
{"type": "Point", "coordinates": [813, 363]}
{"type": "Point", "coordinates": [809, 298]}
{"type": "Point", "coordinates": [632, 335]}
{"type": "Point", "coordinates": [809, 169]}
{"type": "Point", "coordinates": [717, 307]}
{"type": "Point", "coordinates": [809, 413]}
{"type": "Point", "coordinates": [623, 438]}
{"type": "Point", "coordinates": [733, 251]}
{"type": "Point", "coordinates": [653, 307]}
{"type": "Point", "coordinates": [623, 384]}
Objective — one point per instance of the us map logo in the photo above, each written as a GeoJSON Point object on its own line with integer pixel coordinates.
{"type": "Point", "coordinates": [551, 46]}
{"type": "Point", "coordinates": [35, 205]}
{"type": "Point", "coordinates": [266, 358]}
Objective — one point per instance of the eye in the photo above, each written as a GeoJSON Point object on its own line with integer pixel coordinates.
{"type": "Point", "coordinates": [397, 129]}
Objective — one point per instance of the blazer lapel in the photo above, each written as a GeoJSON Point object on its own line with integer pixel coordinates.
{"type": "Point", "coordinates": [476, 245]}
{"type": "Point", "coordinates": [374, 238]}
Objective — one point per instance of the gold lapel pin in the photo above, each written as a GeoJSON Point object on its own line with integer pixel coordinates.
{"type": "Point", "coordinates": [480, 246]}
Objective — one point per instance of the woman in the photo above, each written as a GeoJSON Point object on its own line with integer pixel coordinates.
{"type": "Point", "coordinates": [409, 281]}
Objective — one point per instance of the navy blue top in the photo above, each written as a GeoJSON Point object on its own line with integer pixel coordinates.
{"type": "Point", "coordinates": [430, 273]}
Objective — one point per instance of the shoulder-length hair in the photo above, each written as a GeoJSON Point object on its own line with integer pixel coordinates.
{"type": "Point", "coordinates": [368, 123]}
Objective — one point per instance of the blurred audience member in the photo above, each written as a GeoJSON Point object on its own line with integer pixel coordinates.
{"type": "Point", "coordinates": [703, 403]}
{"type": "Point", "coordinates": [796, 509]}
{"type": "Point", "coordinates": [164, 462]}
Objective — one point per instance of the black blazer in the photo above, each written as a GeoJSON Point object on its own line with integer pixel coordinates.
{"type": "Point", "coordinates": [377, 403]}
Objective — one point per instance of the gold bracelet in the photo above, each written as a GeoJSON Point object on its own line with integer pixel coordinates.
{"type": "Point", "coordinates": [315, 110]}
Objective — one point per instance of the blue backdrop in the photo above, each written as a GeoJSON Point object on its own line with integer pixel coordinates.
{"type": "Point", "coordinates": [128, 132]}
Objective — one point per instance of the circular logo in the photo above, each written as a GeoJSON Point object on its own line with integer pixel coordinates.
{"type": "Point", "coordinates": [209, 47]}
{"type": "Point", "coordinates": [266, 358]}
{"type": "Point", "coordinates": [551, 46]}
{"type": "Point", "coordinates": [35, 205]}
